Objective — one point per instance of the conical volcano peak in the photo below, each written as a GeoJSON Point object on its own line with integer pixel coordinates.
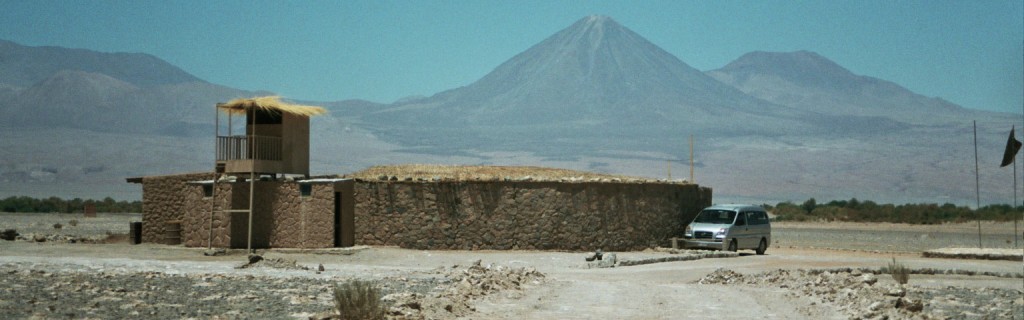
{"type": "Point", "coordinates": [595, 24]}
{"type": "Point", "coordinates": [598, 20]}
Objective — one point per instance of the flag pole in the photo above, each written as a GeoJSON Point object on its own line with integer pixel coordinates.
{"type": "Point", "coordinates": [977, 183]}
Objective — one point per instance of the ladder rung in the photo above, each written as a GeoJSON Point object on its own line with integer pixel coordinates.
{"type": "Point", "coordinates": [235, 210]}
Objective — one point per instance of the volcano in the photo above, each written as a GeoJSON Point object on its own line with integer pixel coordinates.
{"type": "Point", "coordinates": [594, 83]}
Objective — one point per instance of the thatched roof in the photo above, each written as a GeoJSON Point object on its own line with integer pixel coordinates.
{"type": "Point", "coordinates": [427, 172]}
{"type": "Point", "coordinates": [273, 103]}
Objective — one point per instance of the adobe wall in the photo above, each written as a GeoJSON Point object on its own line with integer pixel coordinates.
{"type": "Point", "coordinates": [162, 201]}
{"type": "Point", "coordinates": [283, 218]}
{"type": "Point", "coordinates": [523, 215]}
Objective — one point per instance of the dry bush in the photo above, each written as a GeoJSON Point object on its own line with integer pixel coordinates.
{"type": "Point", "coordinates": [73, 222]}
{"type": "Point", "coordinates": [358, 299]}
{"type": "Point", "coordinates": [58, 225]}
{"type": "Point", "coordinates": [899, 272]}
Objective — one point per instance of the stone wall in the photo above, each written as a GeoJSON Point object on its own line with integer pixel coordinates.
{"type": "Point", "coordinates": [523, 215]}
{"type": "Point", "coordinates": [425, 215]}
{"type": "Point", "coordinates": [164, 199]}
{"type": "Point", "coordinates": [282, 219]}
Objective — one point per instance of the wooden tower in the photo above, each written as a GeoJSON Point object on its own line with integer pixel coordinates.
{"type": "Point", "coordinates": [275, 141]}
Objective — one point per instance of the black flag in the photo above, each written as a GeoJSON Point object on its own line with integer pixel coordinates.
{"type": "Point", "coordinates": [1012, 146]}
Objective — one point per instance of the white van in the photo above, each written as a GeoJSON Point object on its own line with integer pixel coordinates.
{"type": "Point", "coordinates": [729, 227]}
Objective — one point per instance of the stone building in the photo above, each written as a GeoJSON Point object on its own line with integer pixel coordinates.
{"type": "Point", "coordinates": [421, 213]}
{"type": "Point", "coordinates": [260, 195]}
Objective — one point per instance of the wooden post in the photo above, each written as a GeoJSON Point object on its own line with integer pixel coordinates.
{"type": "Point", "coordinates": [691, 160]}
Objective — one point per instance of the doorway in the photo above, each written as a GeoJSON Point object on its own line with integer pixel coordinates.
{"type": "Point", "coordinates": [344, 214]}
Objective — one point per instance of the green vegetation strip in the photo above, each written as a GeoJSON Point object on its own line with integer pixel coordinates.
{"type": "Point", "coordinates": [854, 210]}
{"type": "Point", "coordinates": [76, 205]}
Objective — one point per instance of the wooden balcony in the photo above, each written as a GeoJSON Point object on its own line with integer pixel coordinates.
{"type": "Point", "coordinates": [249, 153]}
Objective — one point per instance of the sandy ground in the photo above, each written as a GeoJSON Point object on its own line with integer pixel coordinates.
{"type": "Point", "coordinates": [669, 290]}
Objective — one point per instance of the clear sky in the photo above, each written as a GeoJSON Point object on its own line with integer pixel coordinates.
{"type": "Point", "coordinates": [967, 52]}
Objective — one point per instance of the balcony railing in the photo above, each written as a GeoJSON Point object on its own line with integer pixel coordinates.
{"type": "Point", "coordinates": [248, 148]}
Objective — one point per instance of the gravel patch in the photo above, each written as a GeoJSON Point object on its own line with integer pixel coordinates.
{"type": "Point", "coordinates": [102, 225]}
{"type": "Point", "coordinates": [46, 291]}
{"type": "Point", "coordinates": [867, 296]}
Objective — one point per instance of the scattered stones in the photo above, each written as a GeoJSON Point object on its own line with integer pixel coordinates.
{"type": "Point", "coordinates": [30, 292]}
{"type": "Point", "coordinates": [257, 261]}
{"type": "Point", "coordinates": [975, 253]}
{"type": "Point", "coordinates": [463, 285]}
{"type": "Point", "coordinates": [859, 298]}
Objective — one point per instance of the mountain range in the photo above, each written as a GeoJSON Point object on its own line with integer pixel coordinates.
{"type": "Point", "coordinates": [769, 126]}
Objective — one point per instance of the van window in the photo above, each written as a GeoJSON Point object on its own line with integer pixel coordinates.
{"type": "Point", "coordinates": [742, 219]}
{"type": "Point", "coordinates": [715, 216]}
{"type": "Point", "coordinates": [757, 218]}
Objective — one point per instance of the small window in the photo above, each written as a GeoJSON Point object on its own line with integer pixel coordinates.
{"type": "Point", "coordinates": [741, 219]}
{"type": "Point", "coordinates": [208, 190]}
{"type": "Point", "coordinates": [758, 218]}
{"type": "Point", "coordinates": [305, 189]}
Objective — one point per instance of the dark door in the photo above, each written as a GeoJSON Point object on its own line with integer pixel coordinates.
{"type": "Point", "coordinates": [337, 219]}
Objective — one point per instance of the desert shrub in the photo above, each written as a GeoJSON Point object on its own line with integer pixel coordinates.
{"type": "Point", "coordinates": [899, 272]}
{"type": "Point", "coordinates": [73, 222]}
{"type": "Point", "coordinates": [358, 299]}
{"type": "Point", "coordinates": [58, 225]}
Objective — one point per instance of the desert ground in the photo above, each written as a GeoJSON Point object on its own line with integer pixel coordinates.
{"type": "Point", "coordinates": [811, 271]}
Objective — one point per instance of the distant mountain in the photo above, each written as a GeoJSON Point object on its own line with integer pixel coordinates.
{"type": "Point", "coordinates": [594, 71]}
{"type": "Point", "coordinates": [808, 81]}
{"type": "Point", "coordinates": [24, 66]}
{"type": "Point", "coordinates": [107, 92]}
{"type": "Point", "coordinates": [594, 85]}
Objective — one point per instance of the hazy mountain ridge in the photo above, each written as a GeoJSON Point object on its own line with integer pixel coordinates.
{"type": "Point", "coordinates": [107, 92]}
{"type": "Point", "coordinates": [808, 81]}
{"type": "Point", "coordinates": [24, 65]}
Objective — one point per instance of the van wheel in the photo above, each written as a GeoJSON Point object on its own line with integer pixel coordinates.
{"type": "Point", "coordinates": [732, 245]}
{"type": "Point", "coordinates": [761, 247]}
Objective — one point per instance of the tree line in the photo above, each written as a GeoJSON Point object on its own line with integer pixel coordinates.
{"type": "Point", "coordinates": [854, 210]}
{"type": "Point", "coordinates": [76, 205]}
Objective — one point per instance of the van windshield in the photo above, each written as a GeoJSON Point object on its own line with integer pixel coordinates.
{"type": "Point", "coordinates": [716, 216]}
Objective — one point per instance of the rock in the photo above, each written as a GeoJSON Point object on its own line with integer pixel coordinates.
{"type": "Point", "coordinates": [912, 305]}
{"type": "Point", "coordinates": [896, 292]}
{"type": "Point", "coordinates": [39, 238]}
{"type": "Point", "coordinates": [868, 279]}
{"type": "Point", "coordinates": [254, 258]}
{"type": "Point", "coordinates": [9, 234]}
{"type": "Point", "coordinates": [321, 268]}
{"type": "Point", "coordinates": [875, 306]}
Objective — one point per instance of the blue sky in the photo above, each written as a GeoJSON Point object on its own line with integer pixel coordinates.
{"type": "Point", "coordinates": [968, 52]}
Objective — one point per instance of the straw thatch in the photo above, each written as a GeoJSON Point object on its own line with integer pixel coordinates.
{"type": "Point", "coordinates": [427, 172]}
{"type": "Point", "coordinates": [272, 103]}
